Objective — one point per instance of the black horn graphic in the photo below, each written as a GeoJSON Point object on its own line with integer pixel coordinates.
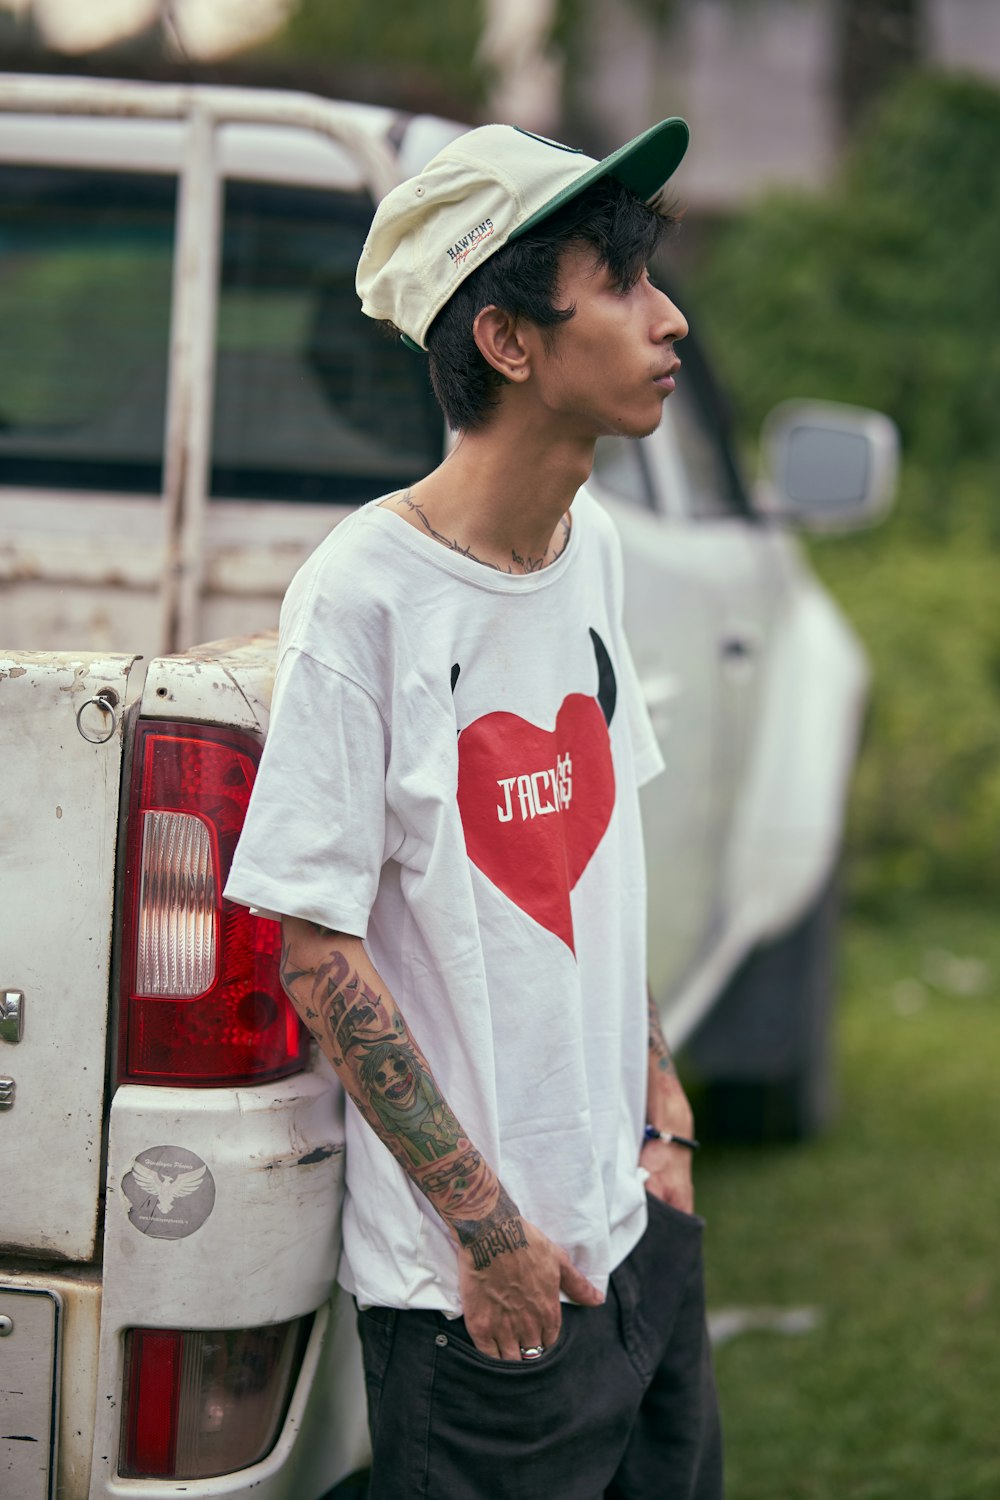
{"type": "Point", "coordinates": [607, 688]}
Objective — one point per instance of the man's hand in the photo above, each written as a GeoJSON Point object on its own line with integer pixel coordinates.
{"type": "Point", "coordinates": [510, 1287]}
{"type": "Point", "coordinates": [669, 1169]}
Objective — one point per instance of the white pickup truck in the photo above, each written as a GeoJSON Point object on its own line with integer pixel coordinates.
{"type": "Point", "coordinates": [189, 400]}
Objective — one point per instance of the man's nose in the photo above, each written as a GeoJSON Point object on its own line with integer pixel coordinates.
{"type": "Point", "coordinates": [671, 322]}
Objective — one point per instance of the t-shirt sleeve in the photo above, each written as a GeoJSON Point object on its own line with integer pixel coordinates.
{"type": "Point", "coordinates": [313, 841]}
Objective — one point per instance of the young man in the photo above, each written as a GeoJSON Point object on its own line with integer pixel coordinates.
{"type": "Point", "coordinates": [446, 818]}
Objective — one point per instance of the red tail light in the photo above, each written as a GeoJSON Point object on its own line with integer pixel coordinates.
{"type": "Point", "coordinates": [198, 1404]}
{"type": "Point", "coordinates": [202, 1002]}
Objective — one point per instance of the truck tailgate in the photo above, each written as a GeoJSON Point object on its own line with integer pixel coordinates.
{"type": "Point", "coordinates": [61, 757]}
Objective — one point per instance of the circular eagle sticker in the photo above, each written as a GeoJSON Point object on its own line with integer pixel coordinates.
{"type": "Point", "coordinates": [171, 1192]}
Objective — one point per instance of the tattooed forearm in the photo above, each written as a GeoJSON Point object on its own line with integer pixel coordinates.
{"type": "Point", "coordinates": [391, 1085]}
{"type": "Point", "coordinates": [659, 1052]}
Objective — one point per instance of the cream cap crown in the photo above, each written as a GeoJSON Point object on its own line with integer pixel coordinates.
{"type": "Point", "coordinates": [483, 189]}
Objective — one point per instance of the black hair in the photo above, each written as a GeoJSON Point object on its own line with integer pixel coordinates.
{"type": "Point", "coordinates": [521, 279]}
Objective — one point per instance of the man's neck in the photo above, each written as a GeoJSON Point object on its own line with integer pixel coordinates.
{"type": "Point", "coordinates": [502, 496]}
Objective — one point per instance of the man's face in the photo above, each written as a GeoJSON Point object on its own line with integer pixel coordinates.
{"type": "Point", "coordinates": [394, 1079]}
{"type": "Point", "coordinates": [610, 367]}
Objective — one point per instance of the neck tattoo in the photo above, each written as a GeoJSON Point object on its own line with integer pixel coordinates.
{"type": "Point", "coordinates": [517, 564]}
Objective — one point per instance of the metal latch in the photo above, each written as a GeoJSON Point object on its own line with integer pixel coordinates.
{"type": "Point", "coordinates": [98, 733]}
{"type": "Point", "coordinates": [11, 1016]}
{"type": "Point", "coordinates": [7, 1087]}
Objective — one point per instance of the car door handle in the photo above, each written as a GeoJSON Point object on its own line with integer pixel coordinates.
{"type": "Point", "coordinates": [737, 648]}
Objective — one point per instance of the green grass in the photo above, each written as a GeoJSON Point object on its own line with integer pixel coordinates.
{"type": "Point", "coordinates": [890, 1226]}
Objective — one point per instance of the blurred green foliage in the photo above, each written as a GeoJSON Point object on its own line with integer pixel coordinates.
{"type": "Point", "coordinates": [885, 292]}
{"type": "Point", "coordinates": [394, 36]}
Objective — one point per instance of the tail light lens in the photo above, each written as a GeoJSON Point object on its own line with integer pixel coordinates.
{"type": "Point", "coordinates": [199, 1404]}
{"type": "Point", "coordinates": [202, 1002]}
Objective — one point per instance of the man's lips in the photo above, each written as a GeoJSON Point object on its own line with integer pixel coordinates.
{"type": "Point", "coordinates": [666, 380]}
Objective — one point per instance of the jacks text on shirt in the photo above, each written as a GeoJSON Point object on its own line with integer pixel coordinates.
{"type": "Point", "coordinates": [537, 792]}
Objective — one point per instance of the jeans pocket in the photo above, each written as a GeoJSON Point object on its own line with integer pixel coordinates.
{"type": "Point", "coordinates": [457, 1335]}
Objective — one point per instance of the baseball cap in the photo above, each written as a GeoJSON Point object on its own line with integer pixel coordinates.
{"type": "Point", "coordinates": [484, 189]}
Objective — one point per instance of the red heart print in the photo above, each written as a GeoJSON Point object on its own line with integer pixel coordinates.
{"type": "Point", "coordinates": [535, 804]}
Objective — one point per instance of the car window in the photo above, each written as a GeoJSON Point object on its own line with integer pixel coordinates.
{"type": "Point", "coordinates": [85, 282]}
{"type": "Point", "coordinates": [620, 469]}
{"type": "Point", "coordinates": [313, 401]}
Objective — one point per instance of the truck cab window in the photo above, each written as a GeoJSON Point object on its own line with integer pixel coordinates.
{"type": "Point", "coordinates": [313, 401]}
{"type": "Point", "coordinates": [86, 262]}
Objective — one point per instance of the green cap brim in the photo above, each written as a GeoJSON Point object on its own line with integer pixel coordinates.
{"type": "Point", "coordinates": [645, 165]}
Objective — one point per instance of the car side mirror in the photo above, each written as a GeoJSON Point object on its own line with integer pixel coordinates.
{"type": "Point", "coordinates": [827, 467]}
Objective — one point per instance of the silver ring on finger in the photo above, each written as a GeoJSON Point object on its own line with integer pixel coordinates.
{"type": "Point", "coordinates": [534, 1351]}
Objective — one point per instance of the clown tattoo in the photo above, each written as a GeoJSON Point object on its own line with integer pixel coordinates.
{"type": "Point", "coordinates": [407, 1102]}
{"type": "Point", "coordinates": [393, 1086]}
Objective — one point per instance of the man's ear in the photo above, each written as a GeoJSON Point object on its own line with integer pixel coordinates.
{"type": "Point", "coordinates": [500, 340]}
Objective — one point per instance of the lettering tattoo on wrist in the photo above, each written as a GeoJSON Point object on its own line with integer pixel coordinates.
{"type": "Point", "coordinates": [495, 1234]}
{"type": "Point", "coordinates": [507, 1236]}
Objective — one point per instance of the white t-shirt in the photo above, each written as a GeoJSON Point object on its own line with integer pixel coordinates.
{"type": "Point", "coordinates": [451, 774]}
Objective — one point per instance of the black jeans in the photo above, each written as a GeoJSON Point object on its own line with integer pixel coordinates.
{"type": "Point", "coordinates": [622, 1407]}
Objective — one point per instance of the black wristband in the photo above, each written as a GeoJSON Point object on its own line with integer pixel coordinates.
{"type": "Point", "coordinates": [652, 1134]}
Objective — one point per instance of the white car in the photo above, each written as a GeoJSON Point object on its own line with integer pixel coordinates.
{"type": "Point", "coordinates": [190, 399]}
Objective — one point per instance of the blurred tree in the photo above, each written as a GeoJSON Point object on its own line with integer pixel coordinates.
{"type": "Point", "coordinates": [395, 36]}
{"type": "Point", "coordinates": [877, 41]}
{"type": "Point", "coordinates": [881, 291]}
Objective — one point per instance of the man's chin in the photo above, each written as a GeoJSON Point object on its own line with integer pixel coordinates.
{"type": "Point", "coordinates": [640, 429]}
